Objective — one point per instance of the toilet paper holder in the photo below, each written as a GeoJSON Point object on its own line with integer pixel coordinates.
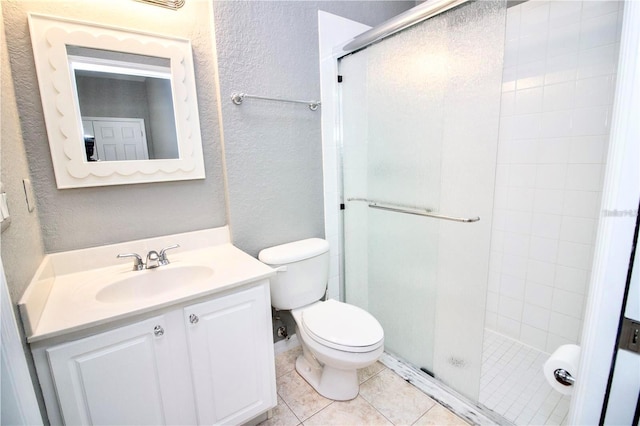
{"type": "Point", "coordinates": [563, 377]}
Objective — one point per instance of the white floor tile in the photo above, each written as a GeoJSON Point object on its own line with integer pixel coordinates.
{"type": "Point", "coordinates": [517, 389]}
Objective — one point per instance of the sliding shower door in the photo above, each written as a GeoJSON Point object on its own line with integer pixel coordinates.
{"type": "Point", "coordinates": [420, 115]}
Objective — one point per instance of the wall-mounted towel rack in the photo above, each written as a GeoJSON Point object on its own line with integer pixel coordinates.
{"type": "Point", "coordinates": [399, 208]}
{"type": "Point", "coordinates": [237, 99]}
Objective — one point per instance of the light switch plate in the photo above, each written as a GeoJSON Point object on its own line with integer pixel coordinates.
{"type": "Point", "coordinates": [5, 219]}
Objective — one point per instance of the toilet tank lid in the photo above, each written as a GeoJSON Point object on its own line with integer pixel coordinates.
{"type": "Point", "coordinates": [293, 252]}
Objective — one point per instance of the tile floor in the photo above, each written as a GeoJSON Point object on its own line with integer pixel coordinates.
{"type": "Point", "coordinates": [513, 386]}
{"type": "Point", "coordinates": [384, 399]}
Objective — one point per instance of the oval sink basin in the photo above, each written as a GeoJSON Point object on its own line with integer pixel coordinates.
{"type": "Point", "coordinates": [153, 282]}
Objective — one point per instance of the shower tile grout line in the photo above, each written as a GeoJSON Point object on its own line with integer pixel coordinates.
{"type": "Point", "coordinates": [536, 400]}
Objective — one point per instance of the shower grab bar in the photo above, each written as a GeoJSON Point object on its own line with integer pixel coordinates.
{"type": "Point", "coordinates": [399, 208]}
{"type": "Point", "coordinates": [237, 99]}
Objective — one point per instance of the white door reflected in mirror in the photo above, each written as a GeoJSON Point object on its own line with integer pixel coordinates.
{"type": "Point", "coordinates": [115, 139]}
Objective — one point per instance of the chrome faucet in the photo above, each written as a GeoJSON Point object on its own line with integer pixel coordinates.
{"type": "Point", "coordinates": [137, 261]}
{"type": "Point", "coordinates": [154, 259]}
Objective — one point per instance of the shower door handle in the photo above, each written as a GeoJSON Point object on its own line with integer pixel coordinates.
{"type": "Point", "coordinates": [425, 213]}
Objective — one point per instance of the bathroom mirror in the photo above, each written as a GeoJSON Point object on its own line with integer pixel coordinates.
{"type": "Point", "coordinates": [126, 105]}
{"type": "Point", "coordinates": [119, 105]}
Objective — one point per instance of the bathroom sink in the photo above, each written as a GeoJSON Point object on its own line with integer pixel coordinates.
{"type": "Point", "coordinates": [149, 283]}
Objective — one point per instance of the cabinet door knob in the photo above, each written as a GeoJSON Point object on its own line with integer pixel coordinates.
{"type": "Point", "coordinates": [193, 319]}
{"type": "Point", "coordinates": [158, 330]}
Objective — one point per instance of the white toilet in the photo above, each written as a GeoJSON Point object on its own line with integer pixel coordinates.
{"type": "Point", "coordinates": [337, 338]}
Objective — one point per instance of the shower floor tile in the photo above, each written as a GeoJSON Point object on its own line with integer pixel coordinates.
{"type": "Point", "coordinates": [385, 399]}
{"type": "Point", "coordinates": [513, 386]}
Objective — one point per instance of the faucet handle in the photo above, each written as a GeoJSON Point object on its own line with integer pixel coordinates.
{"type": "Point", "coordinates": [163, 260]}
{"type": "Point", "coordinates": [137, 261]}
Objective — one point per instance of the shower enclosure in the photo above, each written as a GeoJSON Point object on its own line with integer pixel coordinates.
{"type": "Point", "coordinates": [473, 148]}
{"type": "Point", "coordinates": [423, 111]}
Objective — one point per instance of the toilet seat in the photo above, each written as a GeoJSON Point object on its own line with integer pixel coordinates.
{"type": "Point", "coordinates": [342, 326]}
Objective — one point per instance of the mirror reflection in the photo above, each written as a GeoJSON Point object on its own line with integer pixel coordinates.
{"type": "Point", "coordinates": [125, 103]}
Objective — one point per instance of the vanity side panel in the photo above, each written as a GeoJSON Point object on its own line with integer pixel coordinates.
{"type": "Point", "coordinates": [47, 384]}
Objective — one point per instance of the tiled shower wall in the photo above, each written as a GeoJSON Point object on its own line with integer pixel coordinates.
{"type": "Point", "coordinates": [557, 95]}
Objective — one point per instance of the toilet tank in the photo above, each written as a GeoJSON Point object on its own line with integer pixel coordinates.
{"type": "Point", "coordinates": [303, 271]}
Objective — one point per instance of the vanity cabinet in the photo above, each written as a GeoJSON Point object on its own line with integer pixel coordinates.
{"type": "Point", "coordinates": [209, 362]}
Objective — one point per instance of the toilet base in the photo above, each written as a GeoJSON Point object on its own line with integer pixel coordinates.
{"type": "Point", "coordinates": [332, 383]}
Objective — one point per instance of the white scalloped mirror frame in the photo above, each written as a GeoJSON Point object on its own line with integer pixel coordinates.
{"type": "Point", "coordinates": [50, 36]}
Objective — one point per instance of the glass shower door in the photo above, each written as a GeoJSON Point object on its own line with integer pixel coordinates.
{"type": "Point", "coordinates": [420, 115]}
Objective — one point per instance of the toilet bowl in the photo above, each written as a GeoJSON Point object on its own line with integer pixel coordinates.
{"type": "Point", "coordinates": [337, 338]}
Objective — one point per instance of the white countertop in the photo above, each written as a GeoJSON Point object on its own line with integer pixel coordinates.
{"type": "Point", "coordinates": [63, 297]}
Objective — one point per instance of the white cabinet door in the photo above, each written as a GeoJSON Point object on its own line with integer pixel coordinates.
{"type": "Point", "coordinates": [231, 351]}
{"type": "Point", "coordinates": [115, 377]}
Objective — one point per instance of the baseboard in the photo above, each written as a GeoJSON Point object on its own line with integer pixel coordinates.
{"type": "Point", "coordinates": [286, 344]}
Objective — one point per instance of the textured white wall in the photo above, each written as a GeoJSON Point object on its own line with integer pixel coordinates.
{"type": "Point", "coordinates": [21, 244]}
{"type": "Point", "coordinates": [274, 150]}
{"type": "Point", "coordinates": [22, 248]}
{"type": "Point", "coordinates": [77, 218]}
